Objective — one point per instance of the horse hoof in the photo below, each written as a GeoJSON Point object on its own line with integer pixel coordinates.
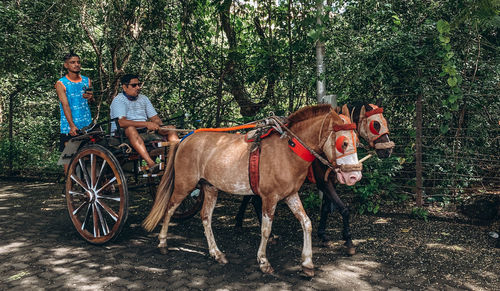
{"type": "Point", "coordinates": [351, 251]}
{"type": "Point", "coordinates": [221, 260]}
{"type": "Point", "coordinates": [327, 244]}
{"type": "Point", "coordinates": [273, 239]}
{"type": "Point", "coordinates": [163, 250]}
{"type": "Point", "coordinates": [266, 269]}
{"type": "Point", "coordinates": [308, 272]}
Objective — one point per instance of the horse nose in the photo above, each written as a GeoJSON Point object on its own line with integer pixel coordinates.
{"type": "Point", "coordinates": [354, 177]}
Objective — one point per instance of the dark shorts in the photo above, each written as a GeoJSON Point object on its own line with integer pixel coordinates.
{"type": "Point", "coordinates": [146, 136]}
{"type": "Point", "coordinates": [63, 139]}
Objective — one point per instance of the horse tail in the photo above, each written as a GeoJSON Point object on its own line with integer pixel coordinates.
{"type": "Point", "coordinates": [163, 193]}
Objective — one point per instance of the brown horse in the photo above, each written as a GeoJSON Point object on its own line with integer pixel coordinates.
{"type": "Point", "coordinates": [372, 127]}
{"type": "Point", "coordinates": [220, 161]}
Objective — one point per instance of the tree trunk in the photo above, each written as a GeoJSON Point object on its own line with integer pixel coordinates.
{"type": "Point", "coordinates": [232, 76]}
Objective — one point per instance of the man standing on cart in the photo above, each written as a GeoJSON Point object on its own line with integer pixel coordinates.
{"type": "Point", "coordinates": [74, 93]}
{"type": "Point", "coordinates": [133, 111]}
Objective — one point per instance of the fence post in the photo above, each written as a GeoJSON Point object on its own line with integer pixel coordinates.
{"type": "Point", "coordinates": [418, 154]}
{"type": "Point", "coordinates": [11, 142]}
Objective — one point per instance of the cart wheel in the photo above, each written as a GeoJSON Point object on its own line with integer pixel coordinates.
{"type": "Point", "coordinates": [190, 205]}
{"type": "Point", "coordinates": [96, 194]}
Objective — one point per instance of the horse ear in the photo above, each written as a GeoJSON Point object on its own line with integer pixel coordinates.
{"type": "Point", "coordinates": [379, 102]}
{"type": "Point", "coordinates": [345, 111]}
{"type": "Point", "coordinates": [362, 112]}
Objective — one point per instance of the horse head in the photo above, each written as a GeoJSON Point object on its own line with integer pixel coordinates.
{"type": "Point", "coordinates": [340, 147]}
{"type": "Point", "coordinates": [373, 128]}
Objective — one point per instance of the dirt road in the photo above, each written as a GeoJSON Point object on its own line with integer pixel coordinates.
{"type": "Point", "coordinates": [39, 249]}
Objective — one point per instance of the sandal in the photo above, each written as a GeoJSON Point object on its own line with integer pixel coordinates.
{"type": "Point", "coordinates": [151, 170]}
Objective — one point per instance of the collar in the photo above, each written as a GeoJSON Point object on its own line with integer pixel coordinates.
{"type": "Point", "coordinates": [131, 98]}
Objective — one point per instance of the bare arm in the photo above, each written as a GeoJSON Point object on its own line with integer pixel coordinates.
{"type": "Point", "coordinates": [61, 93]}
{"type": "Point", "coordinates": [156, 119]}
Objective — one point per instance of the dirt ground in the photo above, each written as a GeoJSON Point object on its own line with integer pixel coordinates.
{"type": "Point", "coordinates": [39, 249]}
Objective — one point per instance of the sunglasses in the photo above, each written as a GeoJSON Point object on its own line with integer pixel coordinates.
{"type": "Point", "coordinates": [135, 85]}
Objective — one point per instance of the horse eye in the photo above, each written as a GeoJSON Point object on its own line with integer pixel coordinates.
{"type": "Point", "coordinates": [340, 144]}
{"type": "Point", "coordinates": [375, 127]}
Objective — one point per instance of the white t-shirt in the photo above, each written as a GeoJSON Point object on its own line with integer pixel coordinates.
{"type": "Point", "coordinates": [140, 109]}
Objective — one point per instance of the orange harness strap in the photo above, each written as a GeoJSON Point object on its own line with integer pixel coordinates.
{"type": "Point", "coordinates": [226, 128]}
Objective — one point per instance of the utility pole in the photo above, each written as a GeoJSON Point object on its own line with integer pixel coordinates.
{"type": "Point", "coordinates": [320, 55]}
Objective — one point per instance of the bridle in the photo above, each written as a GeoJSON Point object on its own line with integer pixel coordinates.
{"type": "Point", "coordinates": [369, 129]}
{"type": "Point", "coordinates": [333, 129]}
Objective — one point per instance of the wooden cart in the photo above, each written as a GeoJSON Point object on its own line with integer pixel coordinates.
{"type": "Point", "coordinates": [102, 170]}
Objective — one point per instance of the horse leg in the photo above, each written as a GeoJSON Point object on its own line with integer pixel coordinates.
{"type": "Point", "coordinates": [295, 205]}
{"type": "Point", "coordinates": [325, 210]}
{"type": "Point", "coordinates": [257, 206]}
{"type": "Point", "coordinates": [344, 211]}
{"type": "Point", "coordinates": [174, 202]}
{"type": "Point", "coordinates": [241, 211]}
{"type": "Point", "coordinates": [327, 188]}
{"type": "Point", "coordinates": [206, 216]}
{"type": "Point", "coordinates": [265, 230]}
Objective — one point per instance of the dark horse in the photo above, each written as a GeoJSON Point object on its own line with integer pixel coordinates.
{"type": "Point", "coordinates": [221, 161]}
{"type": "Point", "coordinates": [371, 126]}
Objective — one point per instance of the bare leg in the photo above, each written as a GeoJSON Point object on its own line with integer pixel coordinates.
{"type": "Point", "coordinates": [171, 135]}
{"type": "Point", "coordinates": [206, 216]}
{"type": "Point", "coordinates": [138, 144]}
{"type": "Point", "coordinates": [295, 205]}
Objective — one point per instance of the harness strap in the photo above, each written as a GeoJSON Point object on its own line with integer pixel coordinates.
{"type": "Point", "coordinates": [348, 126]}
{"type": "Point", "coordinates": [376, 110]}
{"type": "Point", "coordinates": [319, 157]}
{"type": "Point", "coordinates": [253, 170]}
{"type": "Point", "coordinates": [300, 150]}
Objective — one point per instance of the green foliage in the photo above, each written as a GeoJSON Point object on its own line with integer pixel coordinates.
{"type": "Point", "coordinates": [446, 52]}
{"type": "Point", "coordinates": [377, 187]}
{"type": "Point", "coordinates": [449, 71]}
{"type": "Point", "coordinates": [311, 201]}
{"type": "Point", "coordinates": [420, 213]}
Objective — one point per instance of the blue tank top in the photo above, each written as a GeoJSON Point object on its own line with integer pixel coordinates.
{"type": "Point", "coordinates": [79, 106]}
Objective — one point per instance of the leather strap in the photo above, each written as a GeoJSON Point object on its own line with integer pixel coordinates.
{"type": "Point", "coordinates": [253, 170]}
{"type": "Point", "coordinates": [299, 149]}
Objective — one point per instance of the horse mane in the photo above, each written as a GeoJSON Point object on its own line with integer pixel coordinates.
{"type": "Point", "coordinates": [308, 112]}
{"type": "Point", "coordinates": [355, 109]}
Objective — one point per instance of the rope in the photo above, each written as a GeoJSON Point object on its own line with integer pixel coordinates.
{"type": "Point", "coordinates": [128, 150]}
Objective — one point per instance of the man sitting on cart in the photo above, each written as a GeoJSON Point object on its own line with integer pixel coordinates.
{"type": "Point", "coordinates": [137, 115]}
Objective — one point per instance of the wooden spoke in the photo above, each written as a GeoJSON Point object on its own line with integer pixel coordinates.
{"type": "Point", "coordinates": [97, 231]}
{"type": "Point", "coordinates": [108, 210]}
{"type": "Point", "coordinates": [83, 168]}
{"type": "Point", "coordinates": [100, 174]}
{"type": "Point", "coordinates": [92, 170]}
{"type": "Point", "coordinates": [77, 210]}
{"type": "Point", "coordinates": [86, 216]}
{"type": "Point", "coordinates": [107, 184]}
{"type": "Point", "coordinates": [102, 221]}
{"type": "Point", "coordinates": [79, 182]}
